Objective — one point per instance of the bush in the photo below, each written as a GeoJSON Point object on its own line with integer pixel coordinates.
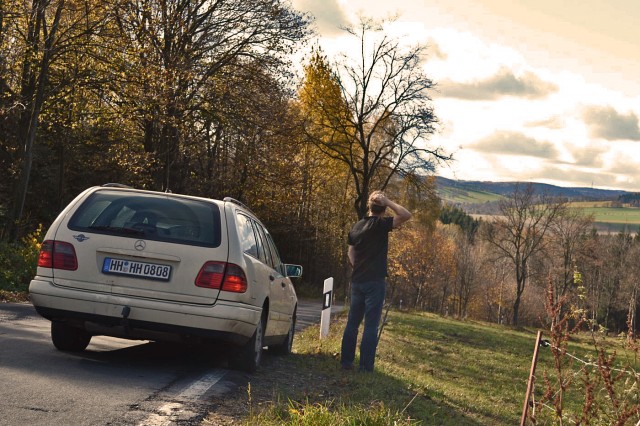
{"type": "Point", "coordinates": [18, 262]}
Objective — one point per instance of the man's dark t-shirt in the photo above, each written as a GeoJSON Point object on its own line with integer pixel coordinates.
{"type": "Point", "coordinates": [370, 239]}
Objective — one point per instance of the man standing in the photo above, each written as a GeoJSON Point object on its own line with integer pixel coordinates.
{"type": "Point", "coordinates": [368, 246]}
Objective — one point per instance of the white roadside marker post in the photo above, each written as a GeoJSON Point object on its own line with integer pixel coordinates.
{"type": "Point", "coordinates": [325, 317]}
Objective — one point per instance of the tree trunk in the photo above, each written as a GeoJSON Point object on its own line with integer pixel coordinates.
{"type": "Point", "coordinates": [631, 316]}
{"type": "Point", "coordinates": [34, 116]}
{"type": "Point", "coordinates": [516, 309]}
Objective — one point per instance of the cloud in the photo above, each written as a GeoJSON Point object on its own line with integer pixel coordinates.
{"type": "Point", "coordinates": [435, 50]}
{"type": "Point", "coordinates": [577, 177]}
{"type": "Point", "coordinates": [609, 124]}
{"type": "Point", "coordinates": [515, 143]}
{"type": "Point", "coordinates": [591, 156]}
{"type": "Point", "coordinates": [554, 123]}
{"type": "Point", "coordinates": [624, 166]}
{"type": "Point", "coordinates": [504, 83]}
{"type": "Point", "coordinates": [329, 16]}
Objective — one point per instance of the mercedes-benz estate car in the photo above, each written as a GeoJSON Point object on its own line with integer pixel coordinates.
{"type": "Point", "coordinates": [165, 267]}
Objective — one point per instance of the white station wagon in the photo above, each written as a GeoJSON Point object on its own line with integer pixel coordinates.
{"type": "Point", "coordinates": [158, 266]}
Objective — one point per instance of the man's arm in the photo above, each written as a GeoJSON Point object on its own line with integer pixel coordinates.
{"type": "Point", "coordinates": [401, 214]}
{"type": "Point", "coordinates": [351, 254]}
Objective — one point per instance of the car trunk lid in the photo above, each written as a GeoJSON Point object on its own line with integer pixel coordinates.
{"type": "Point", "coordinates": [148, 246]}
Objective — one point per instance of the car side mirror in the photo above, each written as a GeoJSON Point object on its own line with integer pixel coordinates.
{"type": "Point", "coordinates": [294, 271]}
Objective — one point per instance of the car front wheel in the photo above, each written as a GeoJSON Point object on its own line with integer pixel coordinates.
{"type": "Point", "coordinates": [67, 338]}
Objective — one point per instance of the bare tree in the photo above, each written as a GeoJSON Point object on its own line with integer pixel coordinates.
{"type": "Point", "coordinates": [610, 275]}
{"type": "Point", "coordinates": [383, 129]}
{"type": "Point", "coordinates": [633, 289]}
{"type": "Point", "coordinates": [520, 232]}
{"type": "Point", "coordinates": [570, 243]}
{"type": "Point", "coordinates": [468, 265]}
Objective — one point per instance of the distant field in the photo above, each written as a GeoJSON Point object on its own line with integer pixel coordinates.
{"type": "Point", "coordinates": [615, 218]}
{"type": "Point", "coordinates": [590, 204]}
{"type": "Point", "coordinates": [605, 219]}
{"type": "Point", "coordinates": [456, 195]}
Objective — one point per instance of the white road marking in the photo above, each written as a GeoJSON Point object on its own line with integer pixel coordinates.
{"type": "Point", "coordinates": [172, 411]}
{"type": "Point", "coordinates": [198, 388]}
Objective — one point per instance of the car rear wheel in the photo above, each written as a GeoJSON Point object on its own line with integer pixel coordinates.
{"type": "Point", "coordinates": [67, 338]}
{"type": "Point", "coordinates": [285, 347]}
{"type": "Point", "coordinates": [250, 355]}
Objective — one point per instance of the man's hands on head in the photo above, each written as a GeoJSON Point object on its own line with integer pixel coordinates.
{"type": "Point", "coordinates": [401, 214]}
{"type": "Point", "coordinates": [379, 198]}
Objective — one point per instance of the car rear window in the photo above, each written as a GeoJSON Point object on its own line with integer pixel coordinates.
{"type": "Point", "coordinates": [149, 216]}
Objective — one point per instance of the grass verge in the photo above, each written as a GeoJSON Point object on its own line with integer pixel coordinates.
{"type": "Point", "coordinates": [429, 371]}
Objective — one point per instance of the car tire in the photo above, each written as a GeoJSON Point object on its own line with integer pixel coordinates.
{"type": "Point", "coordinates": [250, 355]}
{"type": "Point", "coordinates": [69, 339]}
{"type": "Point", "coordinates": [284, 348]}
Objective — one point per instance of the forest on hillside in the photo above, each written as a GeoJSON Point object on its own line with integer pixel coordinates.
{"type": "Point", "coordinates": [204, 98]}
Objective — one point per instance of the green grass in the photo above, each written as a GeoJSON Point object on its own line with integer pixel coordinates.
{"type": "Point", "coordinates": [611, 219]}
{"type": "Point", "coordinates": [429, 370]}
{"type": "Point", "coordinates": [624, 215]}
{"type": "Point", "coordinates": [605, 219]}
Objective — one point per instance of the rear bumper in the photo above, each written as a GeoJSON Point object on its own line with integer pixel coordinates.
{"type": "Point", "coordinates": [107, 314]}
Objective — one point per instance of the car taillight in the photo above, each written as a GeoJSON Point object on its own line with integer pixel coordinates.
{"type": "Point", "coordinates": [58, 255]}
{"type": "Point", "coordinates": [222, 276]}
{"type": "Point", "coordinates": [234, 280]}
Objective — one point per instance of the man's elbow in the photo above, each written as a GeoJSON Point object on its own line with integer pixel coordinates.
{"type": "Point", "coordinates": [401, 218]}
{"type": "Point", "coordinates": [406, 215]}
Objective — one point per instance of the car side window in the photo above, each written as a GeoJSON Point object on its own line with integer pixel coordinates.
{"type": "Point", "coordinates": [272, 252]}
{"type": "Point", "coordinates": [277, 263]}
{"type": "Point", "coordinates": [247, 237]}
{"type": "Point", "coordinates": [262, 244]}
{"type": "Point", "coordinates": [267, 252]}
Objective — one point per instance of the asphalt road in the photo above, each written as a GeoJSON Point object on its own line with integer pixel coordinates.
{"type": "Point", "coordinates": [309, 313]}
{"type": "Point", "coordinates": [113, 382]}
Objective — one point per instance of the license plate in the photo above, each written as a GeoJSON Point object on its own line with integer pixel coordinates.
{"type": "Point", "coordinates": [132, 268]}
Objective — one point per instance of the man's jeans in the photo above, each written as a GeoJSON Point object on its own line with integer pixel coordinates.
{"type": "Point", "coordinates": [367, 299]}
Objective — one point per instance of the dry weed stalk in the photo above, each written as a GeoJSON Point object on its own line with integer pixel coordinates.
{"type": "Point", "coordinates": [610, 394]}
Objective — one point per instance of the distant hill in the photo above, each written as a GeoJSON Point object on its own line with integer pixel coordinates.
{"type": "Point", "coordinates": [461, 191]}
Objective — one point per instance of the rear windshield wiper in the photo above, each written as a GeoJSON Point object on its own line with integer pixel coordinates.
{"type": "Point", "coordinates": [117, 229]}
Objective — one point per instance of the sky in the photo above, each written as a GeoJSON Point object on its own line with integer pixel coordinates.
{"type": "Point", "coordinates": [527, 90]}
